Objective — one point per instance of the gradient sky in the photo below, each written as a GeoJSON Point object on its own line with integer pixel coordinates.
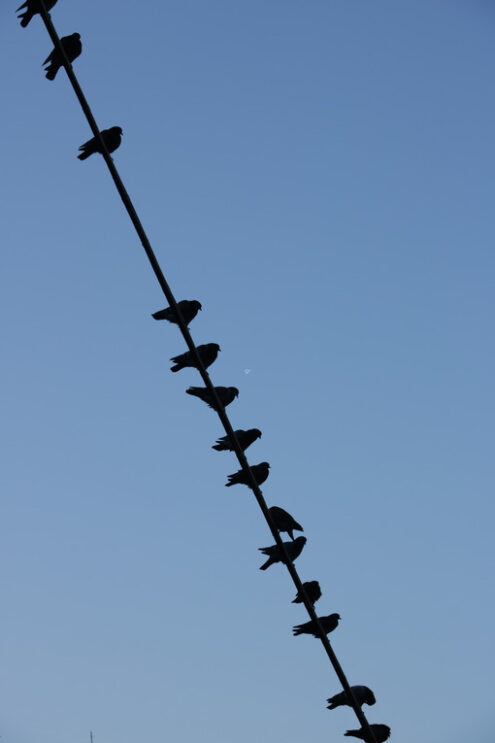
{"type": "Point", "coordinates": [321, 177]}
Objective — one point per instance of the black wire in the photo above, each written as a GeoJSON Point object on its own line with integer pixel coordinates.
{"type": "Point", "coordinates": [126, 200]}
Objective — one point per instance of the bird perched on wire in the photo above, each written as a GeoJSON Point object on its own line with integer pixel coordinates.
{"type": "Point", "coordinates": [275, 554]}
{"type": "Point", "coordinates": [111, 137]}
{"type": "Point", "coordinates": [381, 733]}
{"type": "Point", "coordinates": [284, 521]}
{"type": "Point", "coordinates": [244, 438]}
{"type": "Point", "coordinates": [328, 625]}
{"type": "Point", "coordinates": [260, 473]}
{"type": "Point", "coordinates": [188, 308]}
{"type": "Point", "coordinates": [362, 695]}
{"type": "Point", "coordinates": [72, 48]}
{"type": "Point", "coordinates": [207, 353]}
{"type": "Point", "coordinates": [313, 592]}
{"type": "Point", "coordinates": [32, 7]}
{"type": "Point", "coordinates": [226, 395]}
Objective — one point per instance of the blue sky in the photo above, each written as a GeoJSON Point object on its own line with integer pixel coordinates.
{"type": "Point", "coordinates": [320, 177]}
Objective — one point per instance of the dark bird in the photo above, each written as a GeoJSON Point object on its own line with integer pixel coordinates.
{"type": "Point", "coordinates": [313, 591]}
{"type": "Point", "coordinates": [226, 395]}
{"type": "Point", "coordinates": [274, 553]}
{"type": "Point", "coordinates": [207, 353]}
{"type": "Point", "coordinates": [112, 138]}
{"type": "Point", "coordinates": [260, 472]}
{"type": "Point", "coordinates": [381, 733]}
{"type": "Point", "coordinates": [308, 628]}
{"type": "Point", "coordinates": [362, 695]}
{"type": "Point", "coordinates": [188, 308]}
{"type": "Point", "coordinates": [284, 521]}
{"type": "Point", "coordinates": [32, 7]}
{"type": "Point", "coordinates": [245, 439]}
{"type": "Point", "coordinates": [72, 48]}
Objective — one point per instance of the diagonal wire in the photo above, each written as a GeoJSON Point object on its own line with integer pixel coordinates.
{"type": "Point", "coordinates": [126, 200]}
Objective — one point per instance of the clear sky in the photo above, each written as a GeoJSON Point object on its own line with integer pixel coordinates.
{"type": "Point", "coordinates": [320, 176]}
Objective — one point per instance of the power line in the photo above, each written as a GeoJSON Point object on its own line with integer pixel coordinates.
{"type": "Point", "coordinates": [126, 200]}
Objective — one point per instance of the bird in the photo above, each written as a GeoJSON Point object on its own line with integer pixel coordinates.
{"type": "Point", "coordinates": [362, 695]}
{"type": "Point", "coordinates": [226, 395]}
{"type": "Point", "coordinates": [274, 552]}
{"type": "Point", "coordinates": [328, 625]}
{"type": "Point", "coordinates": [284, 521]}
{"type": "Point", "coordinates": [32, 7]}
{"type": "Point", "coordinates": [313, 592]}
{"type": "Point", "coordinates": [111, 137]}
{"type": "Point", "coordinates": [381, 733]}
{"type": "Point", "coordinates": [188, 308]}
{"type": "Point", "coordinates": [260, 473]}
{"type": "Point", "coordinates": [207, 353]}
{"type": "Point", "coordinates": [244, 438]}
{"type": "Point", "coordinates": [72, 48]}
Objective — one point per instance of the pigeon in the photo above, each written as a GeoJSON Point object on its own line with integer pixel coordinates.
{"type": "Point", "coordinates": [284, 521]}
{"type": "Point", "coordinates": [32, 7]}
{"type": "Point", "coordinates": [313, 592]}
{"type": "Point", "coordinates": [72, 48]}
{"type": "Point", "coordinates": [112, 138]}
{"type": "Point", "coordinates": [362, 695]}
{"type": "Point", "coordinates": [226, 395]}
{"type": "Point", "coordinates": [244, 438]}
{"type": "Point", "coordinates": [274, 553]}
{"type": "Point", "coordinates": [207, 353]}
{"type": "Point", "coordinates": [260, 472]}
{"type": "Point", "coordinates": [188, 308]}
{"type": "Point", "coordinates": [328, 625]}
{"type": "Point", "coordinates": [381, 733]}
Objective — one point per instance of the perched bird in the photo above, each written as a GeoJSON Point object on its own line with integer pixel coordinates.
{"type": "Point", "coordinates": [274, 553]}
{"type": "Point", "coordinates": [112, 138]}
{"type": "Point", "coordinates": [284, 521]}
{"type": "Point", "coordinates": [207, 353]}
{"type": "Point", "coordinates": [32, 7]}
{"type": "Point", "coordinates": [245, 439]}
{"type": "Point", "coordinates": [362, 695]}
{"type": "Point", "coordinates": [72, 48]}
{"type": "Point", "coordinates": [188, 308]}
{"type": "Point", "coordinates": [226, 395]}
{"type": "Point", "coordinates": [313, 591]}
{"type": "Point", "coordinates": [260, 472]}
{"type": "Point", "coordinates": [381, 733]}
{"type": "Point", "coordinates": [308, 628]}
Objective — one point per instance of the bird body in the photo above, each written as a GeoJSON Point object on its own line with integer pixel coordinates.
{"type": "Point", "coordinates": [260, 473]}
{"type": "Point", "coordinates": [31, 8]}
{"type": "Point", "coordinates": [362, 695]}
{"type": "Point", "coordinates": [72, 48]}
{"type": "Point", "coordinates": [207, 353]}
{"type": "Point", "coordinates": [111, 137]}
{"type": "Point", "coordinates": [226, 395]}
{"type": "Point", "coordinates": [313, 592]}
{"type": "Point", "coordinates": [188, 308]}
{"type": "Point", "coordinates": [244, 438]}
{"type": "Point", "coordinates": [284, 521]}
{"type": "Point", "coordinates": [381, 733]}
{"type": "Point", "coordinates": [328, 625]}
{"type": "Point", "coordinates": [275, 554]}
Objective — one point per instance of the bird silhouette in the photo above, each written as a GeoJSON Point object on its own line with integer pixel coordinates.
{"type": "Point", "coordinates": [284, 521]}
{"type": "Point", "coordinates": [244, 438]}
{"type": "Point", "coordinates": [226, 395]}
{"type": "Point", "coordinates": [31, 8]}
{"type": "Point", "coordinates": [188, 308]}
{"type": "Point", "coordinates": [328, 625]}
{"type": "Point", "coordinates": [260, 473]}
{"type": "Point", "coordinates": [362, 695]}
{"type": "Point", "coordinates": [207, 353]}
{"type": "Point", "coordinates": [275, 554]}
{"type": "Point", "coordinates": [313, 592]}
{"type": "Point", "coordinates": [72, 48]}
{"type": "Point", "coordinates": [381, 733]}
{"type": "Point", "coordinates": [111, 137]}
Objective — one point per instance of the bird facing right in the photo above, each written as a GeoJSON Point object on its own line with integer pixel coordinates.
{"type": "Point", "coordinates": [362, 695]}
{"type": "Point", "coordinates": [328, 624]}
{"type": "Point", "coordinates": [381, 733]}
{"type": "Point", "coordinates": [111, 137]}
{"type": "Point", "coordinates": [313, 592]}
{"type": "Point", "coordinates": [72, 47]}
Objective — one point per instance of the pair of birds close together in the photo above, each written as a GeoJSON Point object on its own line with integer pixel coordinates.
{"type": "Point", "coordinates": [362, 695]}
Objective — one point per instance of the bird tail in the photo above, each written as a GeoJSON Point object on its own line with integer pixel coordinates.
{"type": "Point", "coordinates": [84, 155]}
{"type": "Point", "coordinates": [221, 446]}
{"type": "Point", "coordinates": [196, 391]}
{"type": "Point", "coordinates": [266, 564]}
{"type": "Point", "coordinates": [177, 367]}
{"type": "Point", "coordinates": [297, 600]}
{"type": "Point", "coordinates": [26, 17]}
{"type": "Point", "coordinates": [160, 315]}
{"type": "Point", "coordinates": [297, 630]}
{"type": "Point", "coordinates": [229, 483]}
{"type": "Point", "coordinates": [354, 733]}
{"type": "Point", "coordinates": [51, 71]}
{"type": "Point", "coordinates": [331, 703]}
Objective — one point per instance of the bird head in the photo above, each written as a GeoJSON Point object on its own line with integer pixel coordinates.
{"type": "Point", "coordinates": [300, 540]}
{"type": "Point", "coordinates": [257, 433]}
{"type": "Point", "coordinates": [196, 304]}
{"type": "Point", "coordinates": [234, 391]}
{"type": "Point", "coordinates": [369, 698]}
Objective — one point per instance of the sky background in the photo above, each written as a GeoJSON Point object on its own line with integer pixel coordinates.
{"type": "Point", "coordinates": [321, 177]}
